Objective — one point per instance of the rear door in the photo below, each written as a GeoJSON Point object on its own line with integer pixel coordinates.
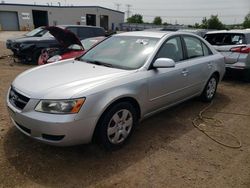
{"type": "Point", "coordinates": [199, 64]}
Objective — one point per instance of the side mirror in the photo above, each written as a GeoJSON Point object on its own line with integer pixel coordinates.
{"type": "Point", "coordinates": [164, 63]}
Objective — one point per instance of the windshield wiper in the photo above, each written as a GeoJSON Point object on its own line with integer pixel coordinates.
{"type": "Point", "coordinates": [101, 63]}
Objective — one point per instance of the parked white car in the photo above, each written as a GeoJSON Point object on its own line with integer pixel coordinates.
{"type": "Point", "coordinates": [105, 93]}
{"type": "Point", "coordinates": [234, 45]}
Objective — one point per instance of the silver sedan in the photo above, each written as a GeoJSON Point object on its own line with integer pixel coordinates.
{"type": "Point", "coordinates": [103, 94]}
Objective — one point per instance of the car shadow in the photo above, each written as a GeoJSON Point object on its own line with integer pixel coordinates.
{"type": "Point", "coordinates": [235, 76]}
{"type": "Point", "coordinates": [85, 165]}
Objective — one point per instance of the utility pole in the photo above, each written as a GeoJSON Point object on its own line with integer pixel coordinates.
{"type": "Point", "coordinates": [117, 6]}
{"type": "Point", "coordinates": [128, 10]}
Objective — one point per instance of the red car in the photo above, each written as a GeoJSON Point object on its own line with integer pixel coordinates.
{"type": "Point", "coordinates": [72, 46]}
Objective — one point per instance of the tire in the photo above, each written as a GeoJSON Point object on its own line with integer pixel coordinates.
{"type": "Point", "coordinates": [35, 57]}
{"type": "Point", "coordinates": [210, 89]}
{"type": "Point", "coordinates": [247, 75]}
{"type": "Point", "coordinates": [116, 126]}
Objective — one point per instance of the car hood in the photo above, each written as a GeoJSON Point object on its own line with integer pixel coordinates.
{"type": "Point", "coordinates": [64, 79]}
{"type": "Point", "coordinates": [18, 38]}
{"type": "Point", "coordinates": [31, 39]}
{"type": "Point", "coordinates": [64, 36]}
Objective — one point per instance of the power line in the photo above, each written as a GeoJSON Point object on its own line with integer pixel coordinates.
{"type": "Point", "coordinates": [128, 10]}
{"type": "Point", "coordinates": [190, 17]}
{"type": "Point", "coordinates": [118, 6]}
{"type": "Point", "coordinates": [172, 9]}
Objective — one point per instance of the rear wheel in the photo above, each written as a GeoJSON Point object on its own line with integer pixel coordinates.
{"type": "Point", "coordinates": [117, 125]}
{"type": "Point", "coordinates": [210, 89]}
{"type": "Point", "coordinates": [247, 75]}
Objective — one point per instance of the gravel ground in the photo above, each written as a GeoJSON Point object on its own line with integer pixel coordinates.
{"type": "Point", "coordinates": [4, 51]}
{"type": "Point", "coordinates": [165, 151]}
{"type": "Point", "coordinates": [4, 35]}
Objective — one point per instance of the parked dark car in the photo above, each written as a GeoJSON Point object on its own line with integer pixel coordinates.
{"type": "Point", "coordinates": [28, 48]}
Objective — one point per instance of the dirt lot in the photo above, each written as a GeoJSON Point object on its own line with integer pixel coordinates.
{"type": "Point", "coordinates": [165, 151]}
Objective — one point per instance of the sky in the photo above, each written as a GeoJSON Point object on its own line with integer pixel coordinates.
{"type": "Point", "coordinates": [171, 11]}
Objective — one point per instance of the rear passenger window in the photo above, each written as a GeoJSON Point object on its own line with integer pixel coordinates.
{"type": "Point", "coordinates": [99, 32]}
{"type": "Point", "coordinates": [223, 39]}
{"type": "Point", "coordinates": [206, 50]}
{"type": "Point", "coordinates": [73, 30]}
{"type": "Point", "coordinates": [171, 49]}
{"type": "Point", "coordinates": [194, 47]}
{"type": "Point", "coordinates": [85, 32]}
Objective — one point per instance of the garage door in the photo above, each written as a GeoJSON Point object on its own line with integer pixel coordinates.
{"type": "Point", "coordinates": [9, 21]}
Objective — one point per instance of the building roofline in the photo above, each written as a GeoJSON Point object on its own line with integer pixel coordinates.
{"type": "Point", "coordinates": [53, 6]}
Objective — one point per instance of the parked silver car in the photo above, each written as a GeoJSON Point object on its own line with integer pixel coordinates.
{"type": "Point", "coordinates": [105, 93]}
{"type": "Point", "coordinates": [235, 46]}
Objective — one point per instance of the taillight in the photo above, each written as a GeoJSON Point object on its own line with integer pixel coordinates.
{"type": "Point", "coordinates": [242, 49]}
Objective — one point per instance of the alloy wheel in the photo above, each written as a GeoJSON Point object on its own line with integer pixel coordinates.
{"type": "Point", "coordinates": [120, 126]}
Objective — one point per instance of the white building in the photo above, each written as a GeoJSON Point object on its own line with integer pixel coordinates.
{"type": "Point", "coordinates": [14, 17]}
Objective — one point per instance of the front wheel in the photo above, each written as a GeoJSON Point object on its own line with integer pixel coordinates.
{"type": "Point", "coordinates": [116, 125]}
{"type": "Point", "coordinates": [210, 89]}
{"type": "Point", "coordinates": [35, 57]}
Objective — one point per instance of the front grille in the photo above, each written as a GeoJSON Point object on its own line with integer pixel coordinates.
{"type": "Point", "coordinates": [18, 100]}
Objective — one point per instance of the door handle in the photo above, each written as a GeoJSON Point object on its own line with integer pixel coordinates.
{"type": "Point", "coordinates": [184, 72]}
{"type": "Point", "coordinates": [209, 65]}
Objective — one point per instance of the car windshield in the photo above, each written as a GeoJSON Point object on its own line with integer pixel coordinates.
{"type": "Point", "coordinates": [36, 32]}
{"type": "Point", "coordinates": [225, 39]}
{"type": "Point", "coordinates": [125, 52]}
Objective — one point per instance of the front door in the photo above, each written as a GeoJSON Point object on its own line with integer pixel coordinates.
{"type": "Point", "coordinates": [167, 85]}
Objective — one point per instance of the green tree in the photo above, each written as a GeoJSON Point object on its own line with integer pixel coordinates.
{"type": "Point", "coordinates": [214, 23]}
{"type": "Point", "coordinates": [204, 24]}
{"type": "Point", "coordinates": [246, 23]}
{"type": "Point", "coordinates": [165, 23]}
{"type": "Point", "coordinates": [136, 18]}
{"type": "Point", "coordinates": [157, 20]}
{"type": "Point", "coordinates": [197, 25]}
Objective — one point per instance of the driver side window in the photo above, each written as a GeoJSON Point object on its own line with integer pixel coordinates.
{"type": "Point", "coordinates": [171, 49]}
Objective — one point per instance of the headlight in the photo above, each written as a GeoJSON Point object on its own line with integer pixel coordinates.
{"type": "Point", "coordinates": [54, 59]}
{"type": "Point", "coordinates": [60, 106]}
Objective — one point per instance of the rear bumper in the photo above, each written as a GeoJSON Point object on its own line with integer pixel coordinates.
{"type": "Point", "coordinates": [238, 66]}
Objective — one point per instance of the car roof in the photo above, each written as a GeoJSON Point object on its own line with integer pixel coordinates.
{"type": "Point", "coordinates": [64, 26]}
{"type": "Point", "coordinates": [241, 31]}
{"type": "Point", "coordinates": [154, 34]}
{"type": "Point", "coordinates": [161, 29]}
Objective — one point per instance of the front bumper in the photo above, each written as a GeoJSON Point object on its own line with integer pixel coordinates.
{"type": "Point", "coordinates": [59, 130]}
{"type": "Point", "coordinates": [22, 54]}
